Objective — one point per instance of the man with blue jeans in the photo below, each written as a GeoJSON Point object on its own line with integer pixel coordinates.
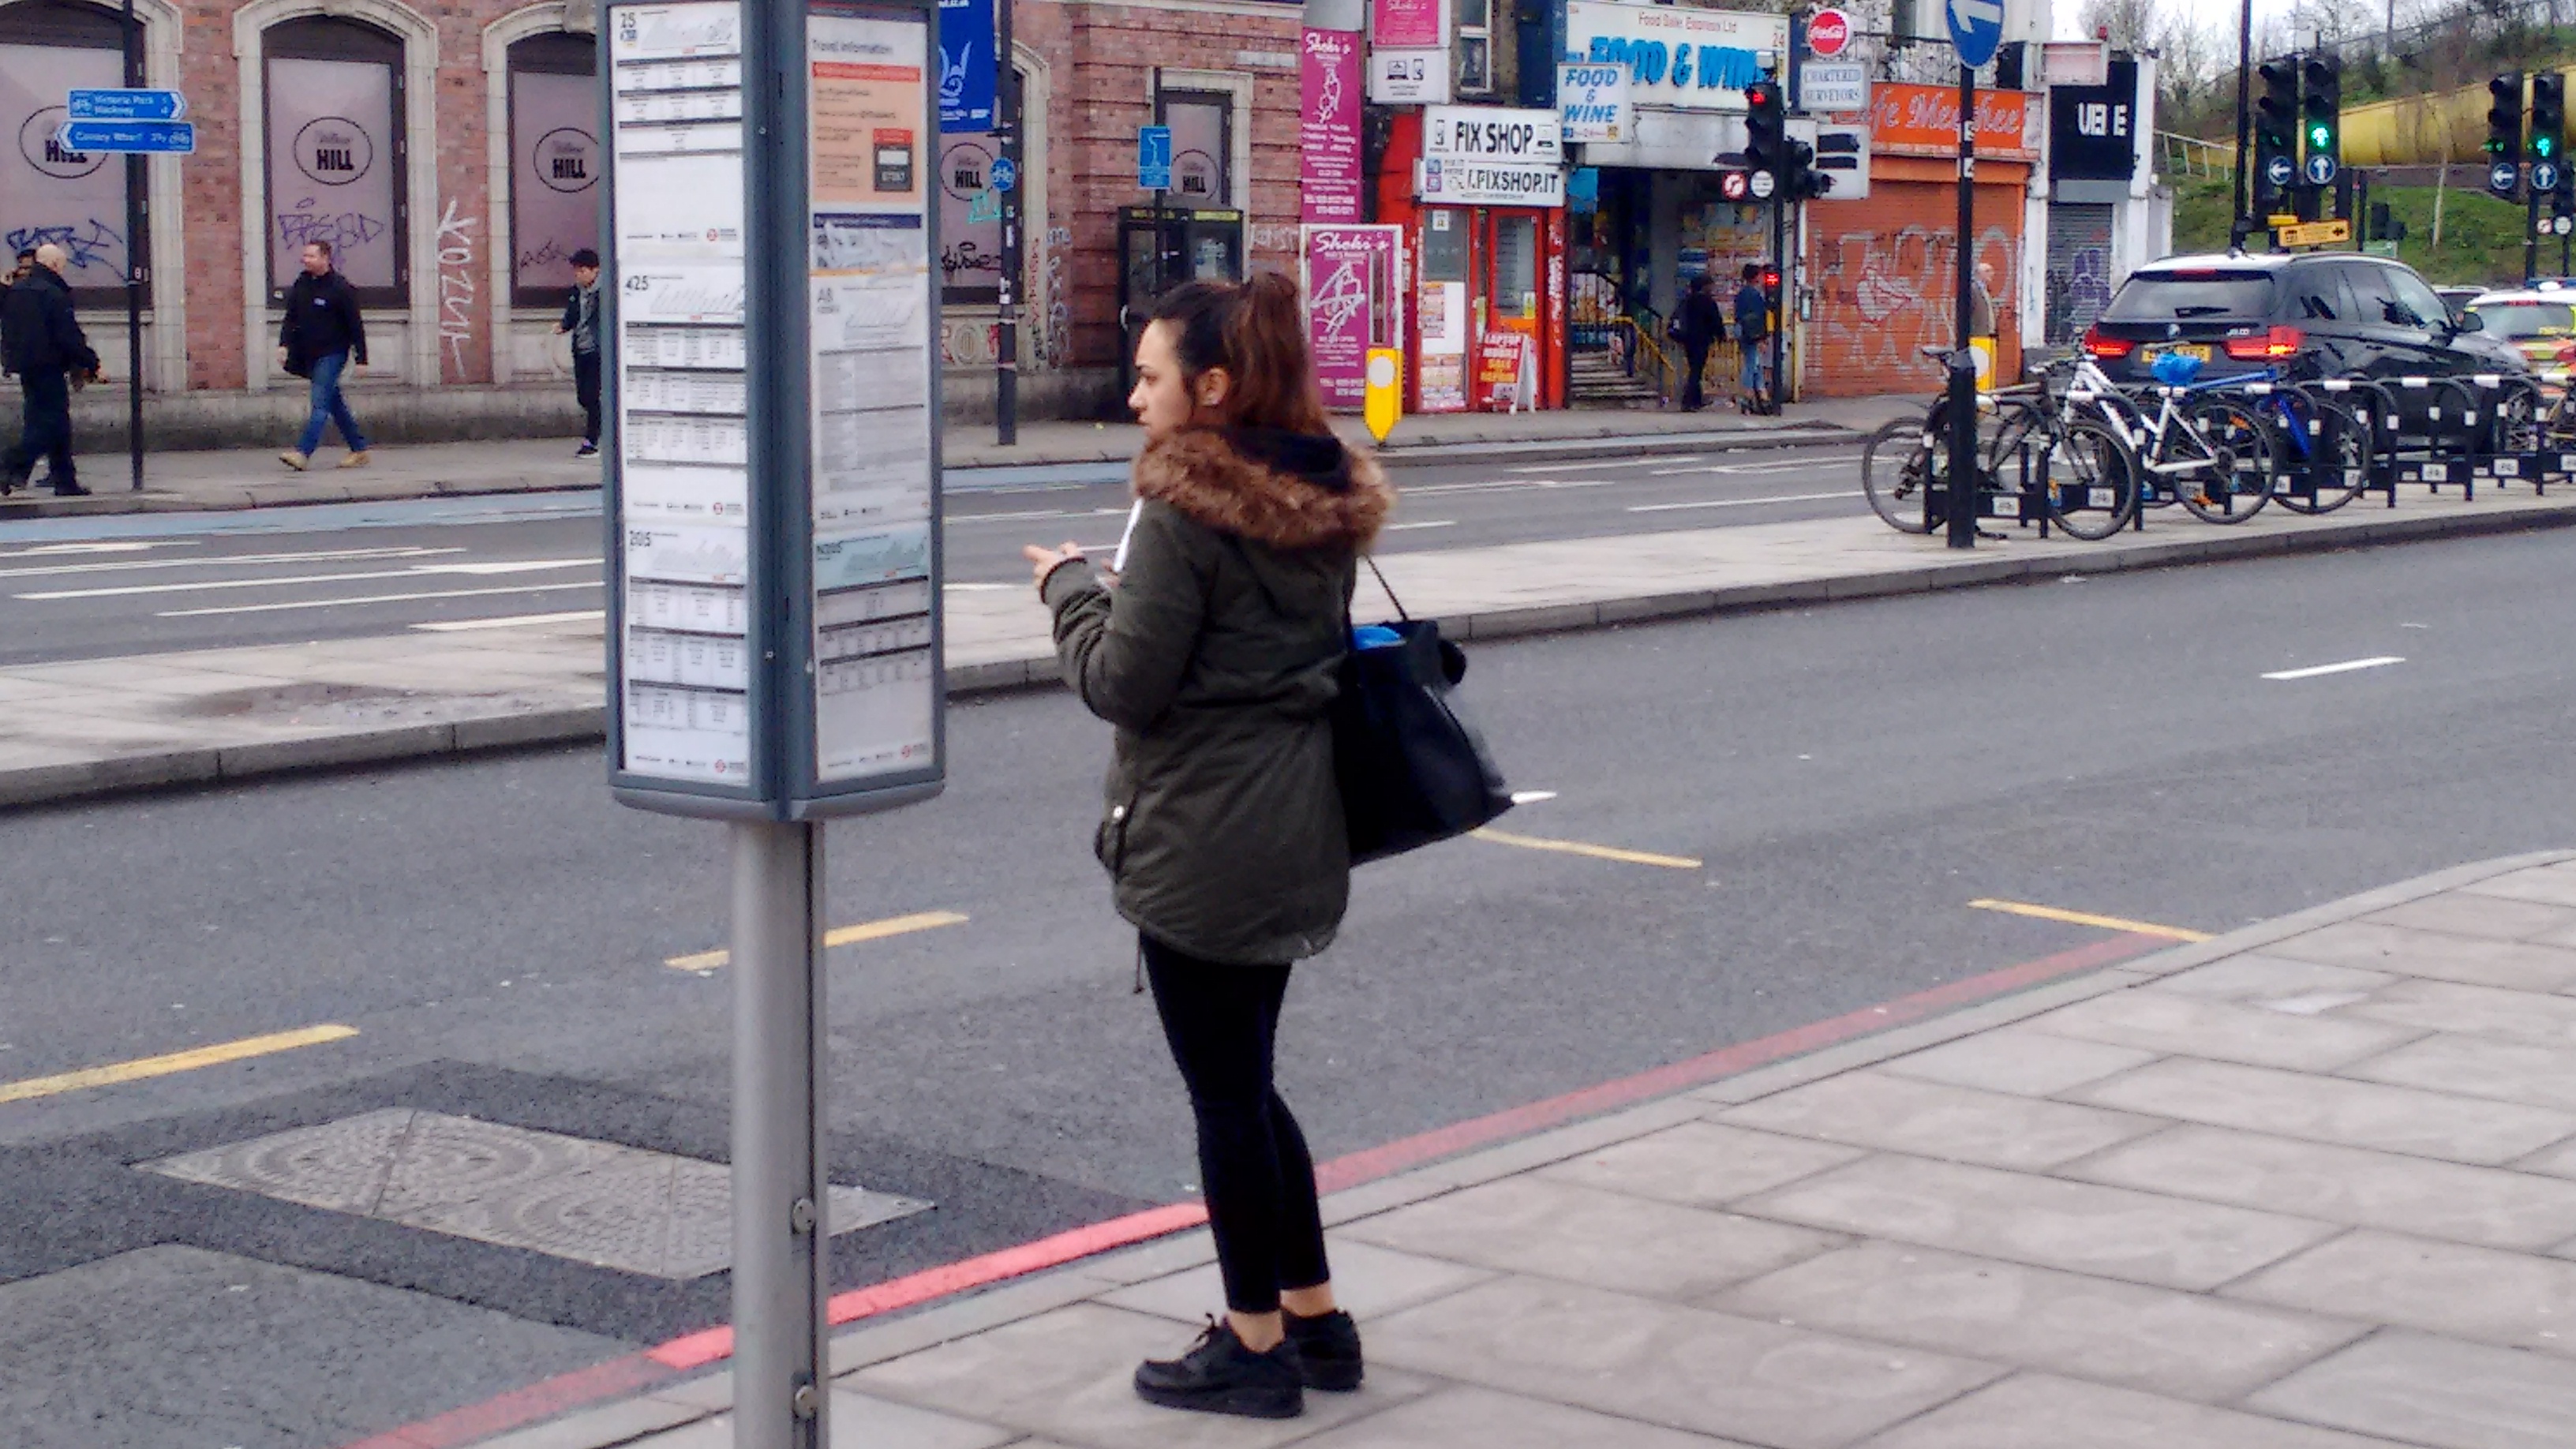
{"type": "Point", "coordinates": [1753, 330]}
{"type": "Point", "coordinates": [322, 335]}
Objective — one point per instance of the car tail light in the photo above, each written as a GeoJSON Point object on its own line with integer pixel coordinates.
{"type": "Point", "coordinates": [2567, 354]}
{"type": "Point", "coordinates": [2272, 342]}
{"type": "Point", "coordinates": [2098, 345]}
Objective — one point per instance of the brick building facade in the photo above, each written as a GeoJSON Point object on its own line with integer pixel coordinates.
{"type": "Point", "coordinates": [445, 146]}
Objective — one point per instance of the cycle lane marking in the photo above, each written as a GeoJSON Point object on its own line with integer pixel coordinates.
{"type": "Point", "coordinates": [891, 926]}
{"type": "Point", "coordinates": [2087, 918]}
{"type": "Point", "coordinates": [1586, 848]}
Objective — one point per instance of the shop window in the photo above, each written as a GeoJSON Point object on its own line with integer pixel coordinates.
{"type": "Point", "coordinates": [1202, 125]}
{"type": "Point", "coordinates": [554, 164]}
{"type": "Point", "coordinates": [970, 210]}
{"type": "Point", "coordinates": [336, 154]}
{"type": "Point", "coordinates": [1475, 31]}
{"type": "Point", "coordinates": [75, 199]}
{"type": "Point", "coordinates": [1516, 267]}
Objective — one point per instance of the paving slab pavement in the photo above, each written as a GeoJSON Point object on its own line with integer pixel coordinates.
{"type": "Point", "coordinates": [1991, 1229]}
{"type": "Point", "coordinates": [236, 478]}
{"type": "Point", "coordinates": [102, 725]}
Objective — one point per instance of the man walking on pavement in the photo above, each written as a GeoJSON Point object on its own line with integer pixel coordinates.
{"type": "Point", "coordinates": [1752, 330]}
{"type": "Point", "coordinates": [323, 335]}
{"type": "Point", "coordinates": [42, 343]}
{"type": "Point", "coordinates": [581, 319]}
{"type": "Point", "coordinates": [1697, 324]}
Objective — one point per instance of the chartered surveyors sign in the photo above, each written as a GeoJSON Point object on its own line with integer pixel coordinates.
{"type": "Point", "coordinates": [1677, 58]}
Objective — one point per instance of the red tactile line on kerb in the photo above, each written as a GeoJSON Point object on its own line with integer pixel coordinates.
{"type": "Point", "coordinates": [696, 1350]}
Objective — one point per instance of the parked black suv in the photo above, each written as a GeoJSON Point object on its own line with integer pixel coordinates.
{"type": "Point", "coordinates": [2312, 314]}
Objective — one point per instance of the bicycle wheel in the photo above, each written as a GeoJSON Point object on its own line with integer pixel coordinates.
{"type": "Point", "coordinates": [2242, 450]}
{"type": "Point", "coordinates": [2092, 480]}
{"type": "Point", "coordinates": [1898, 464]}
{"type": "Point", "coordinates": [2337, 454]}
{"type": "Point", "coordinates": [2518, 424]}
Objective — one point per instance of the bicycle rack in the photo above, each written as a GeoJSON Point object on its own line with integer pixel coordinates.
{"type": "Point", "coordinates": [2538, 465]}
{"type": "Point", "coordinates": [2302, 477]}
{"type": "Point", "coordinates": [2427, 464]}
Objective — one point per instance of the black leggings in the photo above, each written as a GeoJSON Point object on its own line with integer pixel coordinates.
{"type": "Point", "coordinates": [1221, 1022]}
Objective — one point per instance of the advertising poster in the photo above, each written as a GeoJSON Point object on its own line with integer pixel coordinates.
{"type": "Point", "coordinates": [681, 437]}
{"type": "Point", "coordinates": [1354, 276]}
{"type": "Point", "coordinates": [1328, 126]}
{"type": "Point", "coordinates": [870, 275]}
{"type": "Point", "coordinates": [968, 67]}
{"type": "Point", "coordinates": [1408, 24]}
{"type": "Point", "coordinates": [1502, 370]}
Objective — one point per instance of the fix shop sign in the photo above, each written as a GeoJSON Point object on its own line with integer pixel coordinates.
{"type": "Point", "coordinates": [1493, 133]}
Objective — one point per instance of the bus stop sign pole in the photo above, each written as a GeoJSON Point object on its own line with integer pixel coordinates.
{"type": "Point", "coordinates": [774, 626]}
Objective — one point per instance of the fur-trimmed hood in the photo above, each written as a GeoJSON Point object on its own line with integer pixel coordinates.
{"type": "Point", "coordinates": [1292, 491]}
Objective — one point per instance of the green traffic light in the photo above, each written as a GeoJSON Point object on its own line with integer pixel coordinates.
{"type": "Point", "coordinates": [2544, 146]}
{"type": "Point", "coordinates": [2319, 136]}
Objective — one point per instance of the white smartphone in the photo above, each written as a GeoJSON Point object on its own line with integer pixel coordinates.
{"type": "Point", "coordinates": [1118, 561]}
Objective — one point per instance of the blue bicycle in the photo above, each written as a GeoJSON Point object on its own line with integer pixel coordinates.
{"type": "Point", "coordinates": [2321, 457]}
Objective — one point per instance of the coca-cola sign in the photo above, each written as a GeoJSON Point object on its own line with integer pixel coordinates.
{"type": "Point", "coordinates": [1828, 31]}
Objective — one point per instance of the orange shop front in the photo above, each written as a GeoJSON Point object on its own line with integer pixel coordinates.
{"type": "Point", "coordinates": [1885, 268]}
{"type": "Point", "coordinates": [1486, 329]}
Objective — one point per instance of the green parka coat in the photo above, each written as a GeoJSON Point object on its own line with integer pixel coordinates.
{"type": "Point", "coordinates": [1216, 656]}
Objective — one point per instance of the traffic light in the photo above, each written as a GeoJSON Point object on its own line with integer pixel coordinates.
{"type": "Point", "coordinates": [2548, 115]}
{"type": "Point", "coordinates": [2321, 112]}
{"type": "Point", "coordinates": [2276, 146]}
{"type": "Point", "coordinates": [1766, 131]}
{"type": "Point", "coordinates": [2504, 131]}
{"type": "Point", "coordinates": [1805, 181]}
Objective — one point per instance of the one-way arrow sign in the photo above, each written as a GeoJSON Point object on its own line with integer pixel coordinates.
{"type": "Point", "coordinates": [173, 137]}
{"type": "Point", "coordinates": [1976, 28]}
{"type": "Point", "coordinates": [127, 105]}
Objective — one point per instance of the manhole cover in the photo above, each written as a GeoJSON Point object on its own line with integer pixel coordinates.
{"type": "Point", "coordinates": [599, 1203]}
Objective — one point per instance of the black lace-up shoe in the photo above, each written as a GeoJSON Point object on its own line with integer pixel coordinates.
{"type": "Point", "coordinates": [1328, 1348]}
{"type": "Point", "coordinates": [1221, 1376]}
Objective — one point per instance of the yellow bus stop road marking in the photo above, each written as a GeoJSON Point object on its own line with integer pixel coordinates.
{"type": "Point", "coordinates": [840, 936]}
{"type": "Point", "coordinates": [2086, 918]}
{"type": "Point", "coordinates": [1596, 852]}
{"type": "Point", "coordinates": [162, 1066]}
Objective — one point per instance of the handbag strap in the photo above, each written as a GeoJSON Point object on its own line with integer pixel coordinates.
{"type": "Point", "coordinates": [1383, 587]}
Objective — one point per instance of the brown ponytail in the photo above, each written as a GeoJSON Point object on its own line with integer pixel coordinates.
{"type": "Point", "coordinates": [1256, 331]}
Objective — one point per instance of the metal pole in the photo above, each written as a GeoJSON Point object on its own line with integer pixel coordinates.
{"type": "Point", "coordinates": [1779, 302]}
{"type": "Point", "coordinates": [1963, 363]}
{"type": "Point", "coordinates": [2531, 235]}
{"type": "Point", "coordinates": [2244, 119]}
{"type": "Point", "coordinates": [1006, 351]}
{"type": "Point", "coordinates": [780, 1391]}
{"type": "Point", "coordinates": [134, 273]}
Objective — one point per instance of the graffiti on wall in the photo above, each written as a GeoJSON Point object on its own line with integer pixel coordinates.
{"type": "Point", "coordinates": [1883, 296]}
{"type": "Point", "coordinates": [92, 243]}
{"type": "Point", "coordinates": [2077, 292]}
{"type": "Point", "coordinates": [455, 292]}
{"type": "Point", "coordinates": [1055, 332]}
{"type": "Point", "coordinates": [1270, 236]}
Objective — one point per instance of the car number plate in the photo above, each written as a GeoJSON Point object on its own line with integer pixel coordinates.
{"type": "Point", "coordinates": [2198, 351]}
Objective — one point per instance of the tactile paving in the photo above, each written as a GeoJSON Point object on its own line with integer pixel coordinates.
{"type": "Point", "coordinates": [600, 1203]}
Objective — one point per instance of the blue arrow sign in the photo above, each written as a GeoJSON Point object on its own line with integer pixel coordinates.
{"type": "Point", "coordinates": [2501, 177]}
{"type": "Point", "coordinates": [127, 105]}
{"type": "Point", "coordinates": [1154, 158]}
{"type": "Point", "coordinates": [1976, 28]}
{"type": "Point", "coordinates": [2279, 170]}
{"type": "Point", "coordinates": [174, 137]}
{"type": "Point", "coordinates": [1002, 175]}
{"type": "Point", "coordinates": [2321, 169]}
{"type": "Point", "coordinates": [2544, 176]}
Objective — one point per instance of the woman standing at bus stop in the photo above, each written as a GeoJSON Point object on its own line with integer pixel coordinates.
{"type": "Point", "coordinates": [1216, 655]}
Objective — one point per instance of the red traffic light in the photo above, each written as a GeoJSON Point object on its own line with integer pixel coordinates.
{"type": "Point", "coordinates": [1771, 279]}
{"type": "Point", "coordinates": [1761, 95]}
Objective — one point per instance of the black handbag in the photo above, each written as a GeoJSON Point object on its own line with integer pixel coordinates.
{"type": "Point", "coordinates": [1411, 769]}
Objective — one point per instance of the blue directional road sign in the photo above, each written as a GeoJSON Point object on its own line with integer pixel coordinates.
{"type": "Point", "coordinates": [2321, 170]}
{"type": "Point", "coordinates": [2501, 177]}
{"type": "Point", "coordinates": [175, 137]}
{"type": "Point", "coordinates": [2544, 176]}
{"type": "Point", "coordinates": [1002, 175]}
{"type": "Point", "coordinates": [1154, 158]}
{"type": "Point", "coordinates": [1976, 28]}
{"type": "Point", "coordinates": [2279, 170]}
{"type": "Point", "coordinates": [127, 105]}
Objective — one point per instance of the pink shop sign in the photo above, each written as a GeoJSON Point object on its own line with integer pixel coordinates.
{"type": "Point", "coordinates": [1354, 283]}
{"type": "Point", "coordinates": [1407, 24]}
{"type": "Point", "coordinates": [1328, 126]}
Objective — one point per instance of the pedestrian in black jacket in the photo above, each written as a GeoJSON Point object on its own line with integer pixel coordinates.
{"type": "Point", "coordinates": [41, 341]}
{"type": "Point", "coordinates": [581, 322]}
{"type": "Point", "coordinates": [1697, 324]}
{"type": "Point", "coordinates": [322, 335]}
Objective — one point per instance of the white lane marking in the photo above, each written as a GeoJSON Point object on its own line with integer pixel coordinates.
{"type": "Point", "coordinates": [979, 588]}
{"type": "Point", "coordinates": [2346, 667]}
{"type": "Point", "coordinates": [1755, 470]}
{"type": "Point", "coordinates": [417, 571]}
{"type": "Point", "coordinates": [1009, 517]}
{"type": "Point", "coordinates": [1531, 797]}
{"type": "Point", "coordinates": [208, 561]}
{"type": "Point", "coordinates": [459, 626]}
{"type": "Point", "coordinates": [1429, 523]}
{"type": "Point", "coordinates": [1586, 467]}
{"type": "Point", "coordinates": [1426, 490]}
{"type": "Point", "coordinates": [1740, 502]}
{"type": "Point", "coordinates": [372, 599]}
{"type": "Point", "coordinates": [121, 546]}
